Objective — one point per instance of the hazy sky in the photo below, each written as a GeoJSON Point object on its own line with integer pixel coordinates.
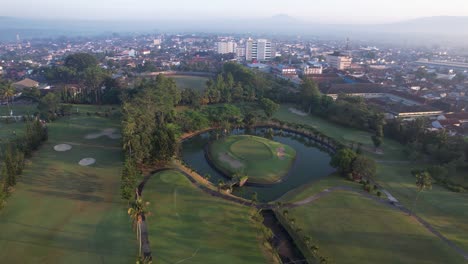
{"type": "Point", "coordinates": [324, 11]}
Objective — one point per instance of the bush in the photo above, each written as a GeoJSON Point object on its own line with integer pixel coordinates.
{"type": "Point", "coordinates": [379, 194]}
{"type": "Point", "coordinates": [367, 188]}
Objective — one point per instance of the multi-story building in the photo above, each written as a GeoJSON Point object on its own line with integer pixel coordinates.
{"type": "Point", "coordinates": [240, 52]}
{"type": "Point", "coordinates": [225, 47]}
{"type": "Point", "coordinates": [284, 70]}
{"type": "Point", "coordinates": [339, 61]}
{"type": "Point", "coordinates": [312, 69]}
{"type": "Point", "coordinates": [260, 50]}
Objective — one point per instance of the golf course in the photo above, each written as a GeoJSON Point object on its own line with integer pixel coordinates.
{"type": "Point", "coordinates": [262, 160]}
{"type": "Point", "coordinates": [187, 224]}
{"type": "Point", "coordinates": [66, 207]}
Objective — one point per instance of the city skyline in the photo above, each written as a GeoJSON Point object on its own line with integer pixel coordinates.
{"type": "Point", "coordinates": [332, 11]}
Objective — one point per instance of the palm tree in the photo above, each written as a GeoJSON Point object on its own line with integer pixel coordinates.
{"type": "Point", "coordinates": [136, 213]}
{"type": "Point", "coordinates": [6, 93]}
{"type": "Point", "coordinates": [423, 182]}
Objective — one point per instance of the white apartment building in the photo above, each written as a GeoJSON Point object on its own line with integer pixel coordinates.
{"type": "Point", "coordinates": [338, 61]}
{"type": "Point", "coordinates": [260, 50]}
{"type": "Point", "coordinates": [225, 47]}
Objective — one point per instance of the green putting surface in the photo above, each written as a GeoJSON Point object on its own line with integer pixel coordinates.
{"type": "Point", "coordinates": [261, 159]}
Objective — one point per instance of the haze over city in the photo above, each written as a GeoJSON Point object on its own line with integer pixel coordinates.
{"type": "Point", "coordinates": [323, 11]}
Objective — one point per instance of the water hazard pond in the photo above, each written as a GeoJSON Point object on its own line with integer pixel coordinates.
{"type": "Point", "coordinates": [311, 162]}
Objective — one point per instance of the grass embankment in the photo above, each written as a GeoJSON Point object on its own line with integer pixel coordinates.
{"type": "Point", "coordinates": [186, 223]}
{"type": "Point", "coordinates": [61, 212]}
{"type": "Point", "coordinates": [447, 211]}
{"type": "Point", "coordinates": [262, 160]}
{"type": "Point", "coordinates": [350, 228]}
{"type": "Point", "coordinates": [196, 83]}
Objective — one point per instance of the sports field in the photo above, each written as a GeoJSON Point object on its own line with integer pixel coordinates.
{"type": "Point", "coordinates": [62, 212]}
{"type": "Point", "coordinates": [261, 159]}
{"type": "Point", "coordinates": [190, 82]}
{"type": "Point", "coordinates": [187, 225]}
{"type": "Point", "coordinates": [350, 228]}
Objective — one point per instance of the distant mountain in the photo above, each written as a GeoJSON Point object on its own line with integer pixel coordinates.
{"type": "Point", "coordinates": [418, 31]}
{"type": "Point", "coordinates": [433, 25]}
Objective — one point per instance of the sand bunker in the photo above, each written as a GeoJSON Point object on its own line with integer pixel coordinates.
{"type": "Point", "coordinates": [62, 147]}
{"type": "Point", "coordinates": [87, 161]}
{"type": "Point", "coordinates": [235, 164]}
{"type": "Point", "coordinates": [108, 132]}
{"type": "Point", "coordinates": [297, 112]}
{"type": "Point", "coordinates": [280, 153]}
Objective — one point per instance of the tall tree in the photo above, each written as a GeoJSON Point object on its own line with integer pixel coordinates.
{"type": "Point", "coordinates": [80, 61]}
{"type": "Point", "coordinates": [364, 167]}
{"type": "Point", "coordinates": [310, 95]}
{"type": "Point", "coordinates": [136, 213]}
{"type": "Point", "coordinates": [343, 160]}
{"type": "Point", "coordinates": [423, 182]}
{"type": "Point", "coordinates": [269, 107]}
{"type": "Point", "coordinates": [93, 79]}
{"type": "Point", "coordinates": [6, 93]}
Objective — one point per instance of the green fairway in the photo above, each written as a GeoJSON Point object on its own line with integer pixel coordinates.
{"type": "Point", "coordinates": [447, 211]}
{"type": "Point", "coordinates": [13, 129]}
{"type": "Point", "coordinates": [353, 229]}
{"type": "Point", "coordinates": [391, 149]}
{"type": "Point", "coordinates": [61, 212]}
{"type": "Point", "coordinates": [18, 109]}
{"type": "Point", "coordinates": [262, 160]}
{"type": "Point", "coordinates": [186, 223]}
{"type": "Point", "coordinates": [190, 82]}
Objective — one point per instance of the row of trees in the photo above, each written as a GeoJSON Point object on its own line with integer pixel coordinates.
{"type": "Point", "coordinates": [449, 154]}
{"type": "Point", "coordinates": [15, 152]}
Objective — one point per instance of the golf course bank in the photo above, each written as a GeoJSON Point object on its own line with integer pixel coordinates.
{"type": "Point", "coordinates": [259, 159]}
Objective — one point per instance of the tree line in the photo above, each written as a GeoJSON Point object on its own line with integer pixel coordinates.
{"type": "Point", "coordinates": [148, 132]}
{"type": "Point", "coordinates": [96, 84]}
{"type": "Point", "coordinates": [16, 151]}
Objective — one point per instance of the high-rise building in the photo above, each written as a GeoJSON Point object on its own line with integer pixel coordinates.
{"type": "Point", "coordinates": [240, 52]}
{"type": "Point", "coordinates": [339, 61]}
{"type": "Point", "coordinates": [225, 47]}
{"type": "Point", "coordinates": [260, 50]}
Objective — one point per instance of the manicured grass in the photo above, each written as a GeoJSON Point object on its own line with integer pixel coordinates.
{"type": "Point", "coordinates": [190, 82]}
{"type": "Point", "coordinates": [13, 129]}
{"type": "Point", "coordinates": [353, 229]}
{"type": "Point", "coordinates": [392, 149]}
{"type": "Point", "coordinates": [61, 212]}
{"type": "Point", "coordinates": [447, 211]}
{"type": "Point", "coordinates": [310, 189]}
{"type": "Point", "coordinates": [262, 160]}
{"type": "Point", "coordinates": [18, 109]}
{"type": "Point", "coordinates": [186, 223]}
